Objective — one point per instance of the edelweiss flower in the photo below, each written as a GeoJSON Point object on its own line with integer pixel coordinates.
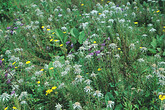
{"type": "Point", "coordinates": [77, 105]}
{"type": "Point", "coordinates": [110, 104]}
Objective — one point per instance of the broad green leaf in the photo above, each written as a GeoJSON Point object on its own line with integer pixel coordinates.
{"type": "Point", "coordinates": [59, 34]}
{"type": "Point", "coordinates": [153, 43]}
{"type": "Point", "coordinates": [153, 51]}
{"type": "Point", "coordinates": [81, 37]}
{"type": "Point", "coordinates": [74, 32]}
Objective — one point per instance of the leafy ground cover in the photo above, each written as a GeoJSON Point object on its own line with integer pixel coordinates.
{"type": "Point", "coordinates": [85, 55]}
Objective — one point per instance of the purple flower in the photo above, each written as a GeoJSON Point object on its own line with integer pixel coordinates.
{"type": "Point", "coordinates": [67, 42]}
{"type": "Point", "coordinates": [91, 53]}
{"type": "Point", "coordinates": [6, 75]}
{"type": "Point", "coordinates": [117, 5]}
{"type": "Point", "coordinates": [8, 81]}
{"type": "Point", "coordinates": [90, 49]}
{"type": "Point", "coordinates": [97, 52]}
{"type": "Point", "coordinates": [71, 45]}
{"type": "Point", "coordinates": [13, 92]}
{"type": "Point", "coordinates": [103, 44]}
{"type": "Point", "coordinates": [108, 38]}
{"type": "Point", "coordinates": [0, 62]}
{"type": "Point", "coordinates": [21, 24]}
{"type": "Point", "coordinates": [11, 32]}
{"type": "Point", "coordinates": [8, 27]}
{"type": "Point", "coordinates": [102, 48]}
{"type": "Point", "coordinates": [15, 28]}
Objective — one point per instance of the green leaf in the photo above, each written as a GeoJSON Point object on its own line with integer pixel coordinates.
{"type": "Point", "coordinates": [81, 37]}
{"type": "Point", "coordinates": [164, 53]}
{"type": "Point", "coordinates": [153, 43]}
{"type": "Point", "coordinates": [74, 32]}
{"type": "Point", "coordinates": [153, 51]}
{"type": "Point", "coordinates": [59, 34]}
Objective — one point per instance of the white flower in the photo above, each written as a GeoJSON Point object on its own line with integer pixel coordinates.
{"type": "Point", "coordinates": [132, 46]}
{"type": "Point", "coordinates": [46, 84]}
{"type": "Point", "coordinates": [113, 45]}
{"type": "Point", "coordinates": [79, 78]}
{"type": "Point", "coordinates": [38, 73]}
{"type": "Point", "coordinates": [22, 95]}
{"type": "Point", "coordinates": [157, 56]}
{"type": "Point", "coordinates": [58, 106]}
{"type": "Point", "coordinates": [70, 56]}
{"type": "Point", "coordinates": [64, 73]}
{"type": "Point", "coordinates": [144, 35]}
{"type": "Point", "coordinates": [57, 64]}
{"type": "Point", "coordinates": [7, 52]}
{"type": "Point", "coordinates": [93, 75]}
{"type": "Point", "coordinates": [88, 57]}
{"type": "Point", "coordinates": [84, 25]}
{"type": "Point", "coordinates": [140, 60]}
{"type": "Point", "coordinates": [94, 12]}
{"type": "Point", "coordinates": [117, 56]}
{"type": "Point", "coordinates": [111, 20]}
{"type": "Point", "coordinates": [152, 30]}
{"type": "Point", "coordinates": [5, 97]}
{"type": "Point", "coordinates": [64, 28]}
{"type": "Point", "coordinates": [110, 104]}
{"type": "Point", "coordinates": [143, 49]}
{"type": "Point", "coordinates": [61, 85]}
{"type": "Point", "coordinates": [88, 81]}
{"type": "Point", "coordinates": [98, 93]}
{"type": "Point", "coordinates": [77, 105]}
{"type": "Point", "coordinates": [23, 102]}
{"type": "Point", "coordinates": [88, 89]}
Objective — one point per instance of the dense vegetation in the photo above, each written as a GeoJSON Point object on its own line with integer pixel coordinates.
{"type": "Point", "coordinates": [82, 54]}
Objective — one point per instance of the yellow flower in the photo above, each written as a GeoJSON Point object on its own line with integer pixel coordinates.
{"type": "Point", "coordinates": [51, 40]}
{"type": "Point", "coordinates": [54, 87]}
{"type": "Point", "coordinates": [42, 27]}
{"type": "Point", "coordinates": [48, 29]}
{"type": "Point", "coordinates": [16, 67]}
{"type": "Point", "coordinates": [56, 40]}
{"type": "Point", "coordinates": [48, 91]}
{"type": "Point", "coordinates": [99, 69]}
{"type": "Point", "coordinates": [108, 1]}
{"type": "Point", "coordinates": [6, 108]}
{"type": "Point", "coordinates": [141, 47]}
{"type": "Point", "coordinates": [99, 13]}
{"type": "Point", "coordinates": [27, 62]}
{"type": "Point", "coordinates": [79, 15]}
{"type": "Point", "coordinates": [162, 97]}
{"type": "Point", "coordinates": [53, 33]}
{"type": "Point", "coordinates": [38, 82]}
{"type": "Point", "coordinates": [42, 70]}
{"type": "Point", "coordinates": [64, 32]}
{"type": "Point", "coordinates": [14, 107]}
{"type": "Point", "coordinates": [163, 30]}
{"type": "Point", "coordinates": [94, 42]}
{"type": "Point", "coordinates": [2, 59]}
{"type": "Point", "coordinates": [135, 22]}
{"type": "Point", "coordinates": [13, 63]}
{"type": "Point", "coordinates": [82, 4]}
{"type": "Point", "coordinates": [50, 36]}
{"type": "Point", "coordinates": [61, 45]}
{"type": "Point", "coordinates": [158, 11]}
{"type": "Point", "coordinates": [51, 68]}
{"type": "Point", "coordinates": [102, 0]}
{"type": "Point", "coordinates": [164, 27]}
{"type": "Point", "coordinates": [119, 48]}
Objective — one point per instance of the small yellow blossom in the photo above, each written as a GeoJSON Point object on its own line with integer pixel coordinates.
{"type": "Point", "coordinates": [94, 42]}
{"type": "Point", "coordinates": [27, 62]}
{"type": "Point", "coordinates": [79, 15]}
{"type": "Point", "coordinates": [61, 45]}
{"type": "Point", "coordinates": [13, 63]}
{"type": "Point", "coordinates": [99, 13]}
{"type": "Point", "coordinates": [3, 59]}
{"type": "Point", "coordinates": [141, 47]}
{"type": "Point", "coordinates": [42, 70]}
{"type": "Point", "coordinates": [82, 4]}
{"type": "Point", "coordinates": [164, 27]}
{"type": "Point", "coordinates": [54, 87]}
{"type": "Point", "coordinates": [51, 68]}
{"type": "Point", "coordinates": [108, 1]}
{"type": "Point", "coordinates": [56, 40]}
{"type": "Point", "coordinates": [48, 29]}
{"type": "Point", "coordinates": [119, 48]}
{"type": "Point", "coordinates": [99, 69]}
{"type": "Point", "coordinates": [42, 27]}
{"type": "Point", "coordinates": [38, 82]}
{"type": "Point", "coordinates": [162, 97]}
{"type": "Point", "coordinates": [102, 0]}
{"type": "Point", "coordinates": [53, 33]}
{"type": "Point", "coordinates": [48, 91]}
{"type": "Point", "coordinates": [14, 107]}
{"type": "Point", "coordinates": [16, 67]}
{"type": "Point", "coordinates": [135, 22]}
{"type": "Point", "coordinates": [64, 32]}
{"type": "Point", "coordinates": [158, 11]}
{"type": "Point", "coordinates": [51, 40]}
{"type": "Point", "coordinates": [6, 108]}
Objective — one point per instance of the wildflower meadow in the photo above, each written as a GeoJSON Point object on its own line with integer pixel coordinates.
{"type": "Point", "coordinates": [82, 55]}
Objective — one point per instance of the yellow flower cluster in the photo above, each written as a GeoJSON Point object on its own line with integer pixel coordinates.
{"type": "Point", "coordinates": [50, 90]}
{"type": "Point", "coordinates": [27, 62]}
{"type": "Point", "coordinates": [99, 69]}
